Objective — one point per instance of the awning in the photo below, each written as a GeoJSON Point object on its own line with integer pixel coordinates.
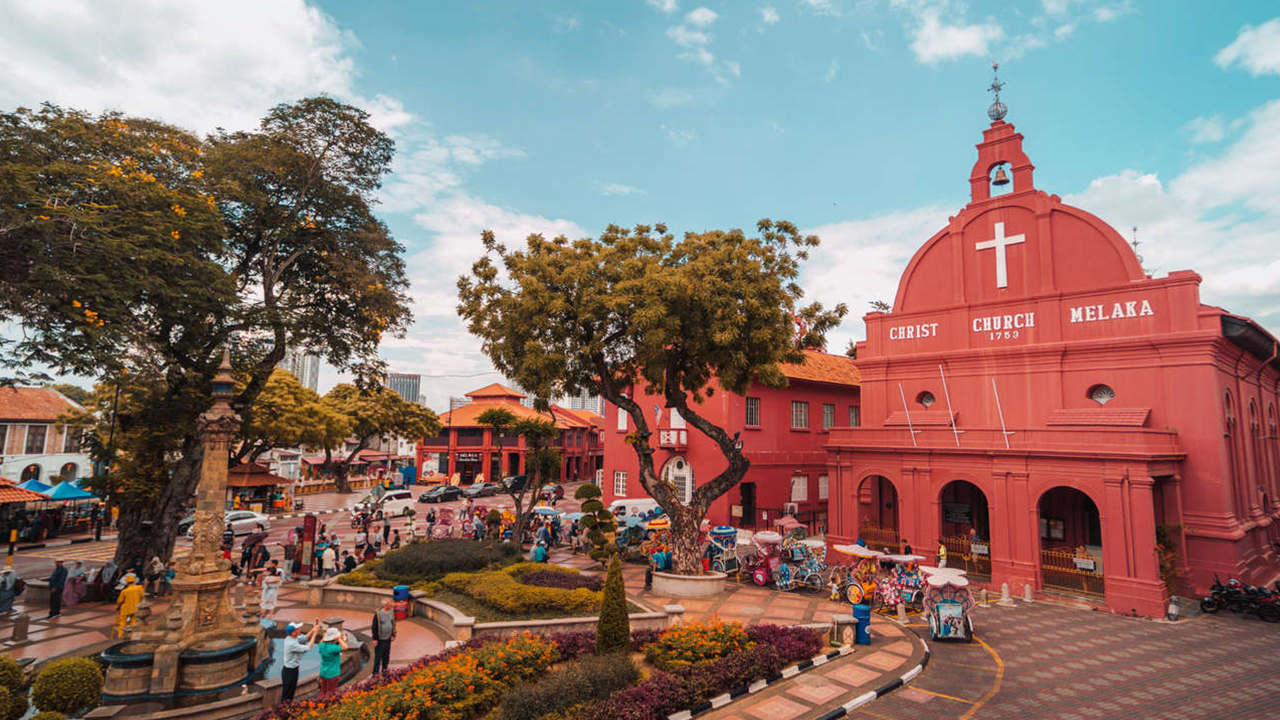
{"type": "Point", "coordinates": [67, 491]}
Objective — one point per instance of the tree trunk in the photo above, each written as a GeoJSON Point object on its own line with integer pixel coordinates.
{"type": "Point", "coordinates": [139, 541]}
{"type": "Point", "coordinates": [686, 555]}
{"type": "Point", "coordinates": [340, 478]}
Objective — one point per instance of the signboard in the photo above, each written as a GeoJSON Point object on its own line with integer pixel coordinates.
{"type": "Point", "coordinates": [1085, 563]}
{"type": "Point", "coordinates": [958, 513]}
{"type": "Point", "coordinates": [468, 457]}
{"type": "Point", "coordinates": [308, 546]}
{"type": "Point", "coordinates": [980, 549]}
{"type": "Point", "coordinates": [1053, 529]}
{"type": "Point", "coordinates": [735, 510]}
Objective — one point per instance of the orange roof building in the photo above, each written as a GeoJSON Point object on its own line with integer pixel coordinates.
{"type": "Point", "coordinates": [33, 444]}
{"type": "Point", "coordinates": [470, 449]}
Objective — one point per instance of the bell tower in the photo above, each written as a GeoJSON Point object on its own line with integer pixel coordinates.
{"type": "Point", "coordinates": [1000, 145]}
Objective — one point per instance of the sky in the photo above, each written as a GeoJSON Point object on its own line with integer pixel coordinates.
{"type": "Point", "coordinates": [854, 119]}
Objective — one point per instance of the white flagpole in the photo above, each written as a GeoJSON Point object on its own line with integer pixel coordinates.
{"type": "Point", "coordinates": [951, 414]}
{"type": "Point", "coordinates": [1003, 431]}
{"type": "Point", "coordinates": [910, 428]}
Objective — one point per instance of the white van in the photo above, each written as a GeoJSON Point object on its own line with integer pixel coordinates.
{"type": "Point", "coordinates": [394, 502]}
{"type": "Point", "coordinates": [632, 506]}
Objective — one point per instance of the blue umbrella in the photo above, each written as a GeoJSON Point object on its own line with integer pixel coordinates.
{"type": "Point", "coordinates": [544, 510]}
{"type": "Point", "coordinates": [35, 486]}
{"type": "Point", "coordinates": [636, 521]}
{"type": "Point", "coordinates": [67, 491]}
{"type": "Point", "coordinates": [574, 516]}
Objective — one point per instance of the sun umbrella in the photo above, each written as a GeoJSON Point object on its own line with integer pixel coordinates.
{"type": "Point", "coordinates": [574, 516]}
{"type": "Point", "coordinates": [544, 510]}
{"type": "Point", "coordinates": [35, 486]}
{"type": "Point", "coordinates": [67, 491]}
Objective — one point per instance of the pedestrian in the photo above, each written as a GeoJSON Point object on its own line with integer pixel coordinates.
{"type": "Point", "coordinates": [57, 583]}
{"type": "Point", "coordinates": [369, 552]}
{"type": "Point", "coordinates": [155, 569]}
{"type": "Point", "coordinates": [286, 568]}
{"type": "Point", "coordinates": [395, 541]}
{"type": "Point", "coordinates": [8, 590]}
{"type": "Point", "coordinates": [228, 537]}
{"type": "Point", "coordinates": [362, 539]}
{"type": "Point", "coordinates": [575, 532]}
{"type": "Point", "coordinates": [127, 604]}
{"type": "Point", "coordinates": [386, 531]}
{"type": "Point", "coordinates": [331, 648]}
{"type": "Point", "coordinates": [384, 631]}
{"type": "Point", "coordinates": [261, 556]}
{"type": "Point", "coordinates": [540, 552]}
{"type": "Point", "coordinates": [107, 576]}
{"type": "Point", "coordinates": [942, 554]}
{"type": "Point", "coordinates": [270, 590]}
{"type": "Point", "coordinates": [906, 547]}
{"type": "Point", "coordinates": [295, 646]}
{"type": "Point", "coordinates": [98, 516]}
{"type": "Point", "coordinates": [77, 584]}
{"type": "Point", "coordinates": [348, 561]}
{"type": "Point", "coordinates": [329, 562]}
{"type": "Point", "coordinates": [166, 580]}
{"type": "Point", "coordinates": [431, 523]}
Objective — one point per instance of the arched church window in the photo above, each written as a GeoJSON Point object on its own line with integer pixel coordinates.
{"type": "Point", "coordinates": [926, 399]}
{"type": "Point", "coordinates": [1102, 394]}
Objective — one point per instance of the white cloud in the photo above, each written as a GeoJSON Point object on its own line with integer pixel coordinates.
{"type": "Point", "coordinates": [199, 65]}
{"type": "Point", "coordinates": [670, 97]}
{"type": "Point", "coordinates": [1245, 173]}
{"type": "Point", "coordinates": [566, 24]}
{"type": "Point", "coordinates": [1109, 13]}
{"type": "Point", "coordinates": [1210, 129]}
{"type": "Point", "coordinates": [822, 7]}
{"type": "Point", "coordinates": [935, 40]}
{"type": "Point", "coordinates": [1064, 31]}
{"type": "Point", "coordinates": [702, 17]}
{"type": "Point", "coordinates": [869, 42]}
{"type": "Point", "coordinates": [694, 43]}
{"type": "Point", "coordinates": [679, 137]}
{"type": "Point", "coordinates": [1256, 49]}
{"type": "Point", "coordinates": [769, 15]}
{"type": "Point", "coordinates": [776, 127]}
{"type": "Point", "coordinates": [684, 37]}
{"type": "Point", "coordinates": [833, 68]}
{"type": "Point", "coordinates": [613, 189]}
{"type": "Point", "coordinates": [666, 6]}
{"type": "Point", "coordinates": [426, 167]}
{"type": "Point", "coordinates": [1055, 7]}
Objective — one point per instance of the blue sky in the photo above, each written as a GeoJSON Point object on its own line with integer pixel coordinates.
{"type": "Point", "coordinates": [854, 119]}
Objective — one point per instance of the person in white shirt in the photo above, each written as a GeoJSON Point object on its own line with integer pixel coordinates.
{"type": "Point", "coordinates": [329, 562]}
{"type": "Point", "coordinates": [295, 646]}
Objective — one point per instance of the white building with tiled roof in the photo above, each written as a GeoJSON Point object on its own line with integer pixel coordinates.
{"type": "Point", "coordinates": [33, 445]}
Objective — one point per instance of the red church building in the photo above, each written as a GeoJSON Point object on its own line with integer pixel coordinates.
{"type": "Point", "coordinates": [1039, 403]}
{"type": "Point", "coordinates": [783, 430]}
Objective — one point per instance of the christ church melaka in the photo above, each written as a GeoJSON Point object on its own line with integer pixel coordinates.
{"type": "Point", "coordinates": [1051, 413]}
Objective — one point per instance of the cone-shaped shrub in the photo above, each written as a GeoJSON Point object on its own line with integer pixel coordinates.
{"type": "Point", "coordinates": [613, 630]}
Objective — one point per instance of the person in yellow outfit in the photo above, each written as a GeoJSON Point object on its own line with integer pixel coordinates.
{"type": "Point", "coordinates": [127, 604]}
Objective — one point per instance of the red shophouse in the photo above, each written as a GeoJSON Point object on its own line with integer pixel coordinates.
{"type": "Point", "coordinates": [1034, 384]}
{"type": "Point", "coordinates": [469, 449]}
{"type": "Point", "coordinates": [783, 431]}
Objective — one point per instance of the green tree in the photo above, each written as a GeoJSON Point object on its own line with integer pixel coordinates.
{"type": "Point", "coordinates": [638, 310]}
{"type": "Point", "coordinates": [541, 460]}
{"type": "Point", "coordinates": [74, 393]}
{"type": "Point", "coordinates": [613, 628]}
{"type": "Point", "coordinates": [599, 523]}
{"type": "Point", "coordinates": [140, 249]}
{"type": "Point", "coordinates": [288, 414]}
{"type": "Point", "coordinates": [374, 413]}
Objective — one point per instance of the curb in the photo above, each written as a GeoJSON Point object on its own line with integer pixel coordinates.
{"type": "Point", "coordinates": [881, 691]}
{"type": "Point", "coordinates": [720, 701]}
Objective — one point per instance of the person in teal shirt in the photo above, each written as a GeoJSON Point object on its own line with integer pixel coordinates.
{"type": "Point", "coordinates": [331, 648]}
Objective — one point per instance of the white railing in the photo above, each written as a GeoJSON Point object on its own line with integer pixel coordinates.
{"type": "Point", "coordinates": [673, 438]}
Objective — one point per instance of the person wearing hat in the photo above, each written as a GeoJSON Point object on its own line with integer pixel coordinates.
{"type": "Point", "coordinates": [331, 648]}
{"type": "Point", "coordinates": [127, 603]}
{"type": "Point", "coordinates": [295, 646]}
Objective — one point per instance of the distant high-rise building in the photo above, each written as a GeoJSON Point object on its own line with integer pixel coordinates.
{"type": "Point", "coordinates": [304, 365]}
{"type": "Point", "coordinates": [406, 385]}
{"type": "Point", "coordinates": [586, 401]}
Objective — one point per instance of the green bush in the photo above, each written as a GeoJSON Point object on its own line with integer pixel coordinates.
{"type": "Point", "coordinates": [68, 686]}
{"type": "Point", "coordinates": [15, 703]}
{"type": "Point", "coordinates": [364, 576]}
{"type": "Point", "coordinates": [425, 562]}
{"type": "Point", "coordinates": [48, 715]}
{"type": "Point", "coordinates": [580, 682]}
{"type": "Point", "coordinates": [691, 643]}
{"type": "Point", "coordinates": [18, 705]}
{"type": "Point", "coordinates": [10, 674]}
{"type": "Point", "coordinates": [613, 629]}
{"type": "Point", "coordinates": [501, 590]}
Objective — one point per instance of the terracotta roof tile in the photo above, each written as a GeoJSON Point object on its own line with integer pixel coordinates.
{"type": "Point", "coordinates": [825, 368]}
{"type": "Point", "coordinates": [28, 404]}
{"type": "Point", "coordinates": [495, 390]}
{"type": "Point", "coordinates": [1115, 417]}
{"type": "Point", "coordinates": [466, 416]}
{"type": "Point", "coordinates": [11, 493]}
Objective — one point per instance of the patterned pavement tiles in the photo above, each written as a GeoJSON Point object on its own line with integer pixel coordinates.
{"type": "Point", "coordinates": [1049, 661]}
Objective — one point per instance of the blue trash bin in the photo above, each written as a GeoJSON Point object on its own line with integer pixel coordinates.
{"type": "Point", "coordinates": [400, 601]}
{"type": "Point", "coordinates": [862, 615]}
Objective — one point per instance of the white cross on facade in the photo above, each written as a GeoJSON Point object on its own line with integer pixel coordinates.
{"type": "Point", "coordinates": [1000, 243]}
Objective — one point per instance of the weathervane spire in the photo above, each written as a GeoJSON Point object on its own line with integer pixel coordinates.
{"type": "Point", "coordinates": [997, 111]}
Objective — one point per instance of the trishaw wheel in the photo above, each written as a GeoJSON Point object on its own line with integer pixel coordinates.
{"type": "Point", "coordinates": [933, 629]}
{"type": "Point", "coordinates": [853, 593]}
{"type": "Point", "coordinates": [968, 625]}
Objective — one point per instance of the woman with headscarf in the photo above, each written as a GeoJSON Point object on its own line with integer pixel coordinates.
{"type": "Point", "coordinates": [270, 591]}
{"type": "Point", "coordinates": [77, 584]}
{"type": "Point", "coordinates": [102, 587]}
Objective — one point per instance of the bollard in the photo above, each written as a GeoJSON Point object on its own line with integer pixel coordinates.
{"type": "Point", "coordinates": [902, 612]}
{"type": "Point", "coordinates": [1005, 600]}
{"type": "Point", "coordinates": [1026, 594]}
{"type": "Point", "coordinates": [985, 599]}
{"type": "Point", "coordinates": [20, 625]}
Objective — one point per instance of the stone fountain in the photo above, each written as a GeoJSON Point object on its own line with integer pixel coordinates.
{"type": "Point", "coordinates": [202, 643]}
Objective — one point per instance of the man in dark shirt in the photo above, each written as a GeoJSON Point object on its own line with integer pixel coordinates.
{"type": "Point", "coordinates": [57, 581]}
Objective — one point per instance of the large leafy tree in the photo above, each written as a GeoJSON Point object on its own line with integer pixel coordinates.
{"type": "Point", "coordinates": [641, 309]}
{"type": "Point", "coordinates": [138, 248]}
{"type": "Point", "coordinates": [289, 414]}
{"type": "Point", "coordinates": [540, 459]}
{"type": "Point", "coordinates": [373, 413]}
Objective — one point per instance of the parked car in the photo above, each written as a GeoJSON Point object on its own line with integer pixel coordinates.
{"type": "Point", "coordinates": [483, 488]}
{"type": "Point", "coordinates": [393, 502]}
{"type": "Point", "coordinates": [441, 493]}
{"type": "Point", "coordinates": [515, 483]}
{"type": "Point", "coordinates": [185, 523]}
{"type": "Point", "coordinates": [242, 522]}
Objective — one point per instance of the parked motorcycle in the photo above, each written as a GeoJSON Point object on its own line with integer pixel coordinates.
{"type": "Point", "coordinates": [1240, 598]}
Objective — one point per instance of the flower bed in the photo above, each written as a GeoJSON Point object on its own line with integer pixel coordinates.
{"type": "Point", "coordinates": [503, 590]}
{"type": "Point", "coordinates": [429, 561]}
{"type": "Point", "coordinates": [692, 643]}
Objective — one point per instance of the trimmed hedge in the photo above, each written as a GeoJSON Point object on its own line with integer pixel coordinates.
{"type": "Point", "coordinates": [613, 629]}
{"type": "Point", "coordinates": [68, 686]}
{"type": "Point", "coordinates": [501, 590]}
{"type": "Point", "coordinates": [562, 581]}
{"type": "Point", "coordinates": [429, 561]}
{"type": "Point", "coordinates": [13, 703]}
{"type": "Point", "coordinates": [692, 643]}
{"type": "Point", "coordinates": [48, 715]}
{"type": "Point", "coordinates": [578, 683]}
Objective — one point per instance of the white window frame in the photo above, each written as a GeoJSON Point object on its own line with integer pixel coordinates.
{"type": "Point", "coordinates": [799, 415]}
{"type": "Point", "coordinates": [824, 490]}
{"type": "Point", "coordinates": [620, 481]}
{"type": "Point", "coordinates": [855, 416]}
{"type": "Point", "coordinates": [622, 420]}
{"type": "Point", "coordinates": [828, 415]}
{"type": "Point", "coordinates": [752, 403]}
{"type": "Point", "coordinates": [799, 488]}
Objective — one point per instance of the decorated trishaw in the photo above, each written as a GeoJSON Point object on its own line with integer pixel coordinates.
{"type": "Point", "coordinates": [947, 602]}
{"type": "Point", "coordinates": [657, 548]}
{"type": "Point", "coordinates": [630, 538]}
{"type": "Point", "coordinates": [857, 581]}
{"type": "Point", "coordinates": [444, 524]}
{"type": "Point", "coordinates": [903, 583]}
{"type": "Point", "coordinates": [763, 562]}
{"type": "Point", "coordinates": [722, 549]}
{"type": "Point", "coordinates": [803, 564]}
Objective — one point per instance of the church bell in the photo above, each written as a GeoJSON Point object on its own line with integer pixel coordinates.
{"type": "Point", "coordinates": [1000, 179]}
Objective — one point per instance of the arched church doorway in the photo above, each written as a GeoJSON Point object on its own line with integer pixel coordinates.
{"type": "Point", "coordinates": [1070, 541]}
{"type": "Point", "coordinates": [877, 500]}
{"type": "Point", "coordinates": [965, 528]}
